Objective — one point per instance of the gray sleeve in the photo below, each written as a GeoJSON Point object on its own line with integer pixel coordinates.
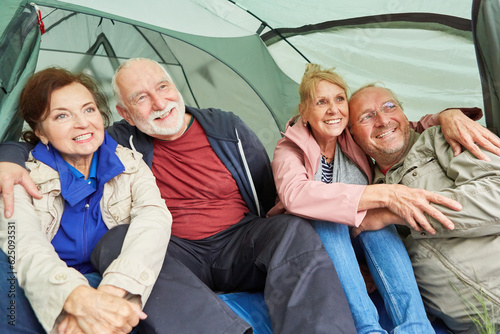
{"type": "Point", "coordinates": [16, 152]}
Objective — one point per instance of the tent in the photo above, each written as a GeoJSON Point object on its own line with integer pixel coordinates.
{"type": "Point", "coordinates": [247, 56]}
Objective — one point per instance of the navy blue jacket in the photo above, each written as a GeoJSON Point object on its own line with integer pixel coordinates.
{"type": "Point", "coordinates": [235, 144]}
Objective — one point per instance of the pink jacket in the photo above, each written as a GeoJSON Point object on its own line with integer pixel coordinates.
{"type": "Point", "coordinates": [296, 160]}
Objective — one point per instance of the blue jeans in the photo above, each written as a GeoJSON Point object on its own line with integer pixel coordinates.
{"type": "Point", "coordinates": [392, 272]}
{"type": "Point", "coordinates": [16, 314]}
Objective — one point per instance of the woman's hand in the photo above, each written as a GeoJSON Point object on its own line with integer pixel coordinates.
{"type": "Point", "coordinates": [99, 312]}
{"type": "Point", "coordinates": [409, 203]}
{"type": "Point", "coordinates": [459, 130]}
{"type": "Point", "coordinates": [11, 174]}
{"type": "Point", "coordinates": [69, 325]}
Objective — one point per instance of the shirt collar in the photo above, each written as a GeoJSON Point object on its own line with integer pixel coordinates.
{"type": "Point", "coordinates": [92, 178]}
{"type": "Point", "coordinates": [74, 188]}
{"type": "Point", "coordinates": [380, 176]}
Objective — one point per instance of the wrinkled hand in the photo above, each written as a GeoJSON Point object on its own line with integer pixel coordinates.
{"type": "Point", "coordinates": [459, 129]}
{"type": "Point", "coordinates": [69, 325]}
{"type": "Point", "coordinates": [11, 174]}
{"type": "Point", "coordinates": [411, 204]}
{"type": "Point", "coordinates": [115, 291]}
{"type": "Point", "coordinates": [377, 219]}
{"type": "Point", "coordinates": [112, 290]}
{"type": "Point", "coordinates": [100, 312]}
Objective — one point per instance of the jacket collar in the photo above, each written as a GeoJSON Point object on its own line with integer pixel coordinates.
{"type": "Point", "coordinates": [74, 189]}
{"type": "Point", "coordinates": [394, 173]}
{"type": "Point", "coordinates": [215, 123]}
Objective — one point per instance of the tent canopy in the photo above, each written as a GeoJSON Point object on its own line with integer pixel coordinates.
{"type": "Point", "coordinates": [248, 56]}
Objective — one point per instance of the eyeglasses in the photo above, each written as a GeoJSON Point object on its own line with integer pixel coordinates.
{"type": "Point", "coordinates": [387, 108]}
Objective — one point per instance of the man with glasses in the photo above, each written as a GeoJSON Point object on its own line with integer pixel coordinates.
{"type": "Point", "coordinates": [457, 270]}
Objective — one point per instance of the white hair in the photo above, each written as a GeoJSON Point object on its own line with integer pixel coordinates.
{"type": "Point", "coordinates": [126, 64]}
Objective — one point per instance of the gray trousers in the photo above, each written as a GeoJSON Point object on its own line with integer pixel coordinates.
{"type": "Point", "coordinates": [281, 255]}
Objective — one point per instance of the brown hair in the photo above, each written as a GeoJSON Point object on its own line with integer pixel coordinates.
{"type": "Point", "coordinates": [314, 74]}
{"type": "Point", "coordinates": [34, 102]}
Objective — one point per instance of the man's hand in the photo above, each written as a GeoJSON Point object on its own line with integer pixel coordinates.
{"type": "Point", "coordinates": [11, 174]}
{"type": "Point", "coordinates": [459, 130]}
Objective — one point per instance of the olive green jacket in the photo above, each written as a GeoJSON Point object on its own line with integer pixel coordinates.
{"type": "Point", "coordinates": [463, 259]}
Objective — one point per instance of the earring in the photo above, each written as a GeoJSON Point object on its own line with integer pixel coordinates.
{"type": "Point", "coordinates": [304, 123]}
{"type": "Point", "coordinates": [47, 146]}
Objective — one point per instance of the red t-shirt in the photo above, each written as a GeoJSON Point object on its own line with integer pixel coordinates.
{"type": "Point", "coordinates": [199, 191]}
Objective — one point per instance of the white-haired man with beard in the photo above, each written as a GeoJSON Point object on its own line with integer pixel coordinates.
{"type": "Point", "coordinates": [457, 270]}
{"type": "Point", "coordinates": [215, 177]}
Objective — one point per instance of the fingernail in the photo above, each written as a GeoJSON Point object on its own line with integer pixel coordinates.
{"type": "Point", "coordinates": [7, 214]}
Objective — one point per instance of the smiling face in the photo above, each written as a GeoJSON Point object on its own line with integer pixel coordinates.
{"type": "Point", "coordinates": [150, 100]}
{"type": "Point", "coordinates": [73, 125]}
{"type": "Point", "coordinates": [327, 113]}
{"type": "Point", "coordinates": [386, 138]}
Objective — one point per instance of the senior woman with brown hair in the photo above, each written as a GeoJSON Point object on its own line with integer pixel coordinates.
{"type": "Point", "coordinates": [89, 184]}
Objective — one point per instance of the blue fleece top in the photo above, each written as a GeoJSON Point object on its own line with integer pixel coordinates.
{"type": "Point", "coordinates": [81, 223]}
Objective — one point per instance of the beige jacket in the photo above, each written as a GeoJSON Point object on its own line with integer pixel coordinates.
{"type": "Point", "coordinates": [130, 198]}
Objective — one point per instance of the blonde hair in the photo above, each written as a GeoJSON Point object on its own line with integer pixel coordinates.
{"type": "Point", "coordinates": [312, 76]}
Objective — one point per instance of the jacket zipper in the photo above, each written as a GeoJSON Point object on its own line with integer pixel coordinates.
{"type": "Point", "coordinates": [247, 171]}
{"type": "Point", "coordinates": [85, 218]}
{"type": "Point", "coordinates": [458, 273]}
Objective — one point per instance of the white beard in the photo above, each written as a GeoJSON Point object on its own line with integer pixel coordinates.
{"type": "Point", "coordinates": [149, 127]}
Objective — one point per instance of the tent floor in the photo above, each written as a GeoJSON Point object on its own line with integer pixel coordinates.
{"type": "Point", "coordinates": [252, 308]}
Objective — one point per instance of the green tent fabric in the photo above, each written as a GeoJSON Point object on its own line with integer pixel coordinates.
{"type": "Point", "coordinates": [422, 49]}
{"type": "Point", "coordinates": [234, 72]}
{"type": "Point", "coordinates": [248, 56]}
{"type": "Point", "coordinates": [486, 29]}
{"type": "Point", "coordinates": [19, 45]}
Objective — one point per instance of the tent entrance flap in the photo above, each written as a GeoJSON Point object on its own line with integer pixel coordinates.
{"type": "Point", "coordinates": [19, 45]}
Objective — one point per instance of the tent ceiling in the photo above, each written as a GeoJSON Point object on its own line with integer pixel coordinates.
{"type": "Point", "coordinates": [431, 65]}
{"type": "Point", "coordinates": [217, 59]}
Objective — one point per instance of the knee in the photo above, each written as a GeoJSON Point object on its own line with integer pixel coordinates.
{"type": "Point", "coordinates": [301, 232]}
{"type": "Point", "coordinates": [109, 247]}
{"type": "Point", "coordinates": [115, 236]}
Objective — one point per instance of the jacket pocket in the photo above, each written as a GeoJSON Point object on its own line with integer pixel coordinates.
{"type": "Point", "coordinates": [46, 212]}
{"type": "Point", "coordinates": [120, 209]}
{"type": "Point", "coordinates": [428, 174]}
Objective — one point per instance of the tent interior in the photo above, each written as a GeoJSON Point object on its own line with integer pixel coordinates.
{"type": "Point", "coordinates": [248, 56]}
